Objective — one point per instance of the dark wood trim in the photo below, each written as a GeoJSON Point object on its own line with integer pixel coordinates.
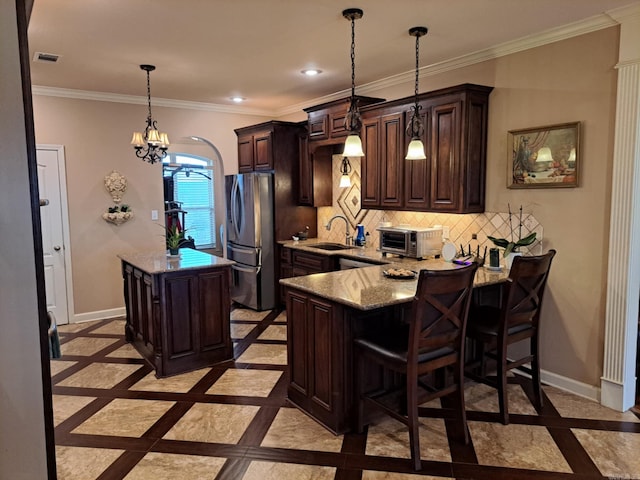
{"type": "Point", "coordinates": [23, 13]}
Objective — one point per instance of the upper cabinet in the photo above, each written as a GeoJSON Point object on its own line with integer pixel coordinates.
{"type": "Point", "coordinates": [255, 147]}
{"type": "Point", "coordinates": [326, 121]}
{"type": "Point", "coordinates": [274, 146]}
{"type": "Point", "coordinates": [382, 165]}
{"type": "Point", "coordinates": [452, 178]}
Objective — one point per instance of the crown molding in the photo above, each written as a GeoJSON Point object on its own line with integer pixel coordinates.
{"type": "Point", "coordinates": [624, 13]}
{"type": "Point", "coordinates": [564, 32]}
{"type": "Point", "coordinates": [138, 100]}
{"type": "Point", "coordinates": [571, 30]}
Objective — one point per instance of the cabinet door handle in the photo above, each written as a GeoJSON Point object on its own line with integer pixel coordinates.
{"type": "Point", "coordinates": [57, 248]}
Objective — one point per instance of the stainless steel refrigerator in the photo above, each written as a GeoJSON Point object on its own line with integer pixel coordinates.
{"type": "Point", "coordinates": [250, 239]}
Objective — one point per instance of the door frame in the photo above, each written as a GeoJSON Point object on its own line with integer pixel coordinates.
{"type": "Point", "coordinates": [64, 211]}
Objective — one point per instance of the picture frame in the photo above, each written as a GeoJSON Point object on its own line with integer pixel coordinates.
{"type": "Point", "coordinates": [544, 157]}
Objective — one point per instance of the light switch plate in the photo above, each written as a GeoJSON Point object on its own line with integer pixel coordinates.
{"type": "Point", "coordinates": [154, 214]}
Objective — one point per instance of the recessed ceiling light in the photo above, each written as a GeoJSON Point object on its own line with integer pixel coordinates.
{"type": "Point", "coordinates": [311, 72]}
{"type": "Point", "coordinates": [238, 99]}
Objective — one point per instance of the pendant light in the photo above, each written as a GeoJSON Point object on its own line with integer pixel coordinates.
{"type": "Point", "coordinates": [415, 128]}
{"type": "Point", "coordinates": [345, 170]}
{"type": "Point", "coordinates": [151, 145]}
{"type": "Point", "coordinates": [352, 121]}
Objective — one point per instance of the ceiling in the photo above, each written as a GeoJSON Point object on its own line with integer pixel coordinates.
{"type": "Point", "coordinates": [209, 50]}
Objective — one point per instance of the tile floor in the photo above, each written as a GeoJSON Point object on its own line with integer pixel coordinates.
{"type": "Point", "coordinates": [115, 420]}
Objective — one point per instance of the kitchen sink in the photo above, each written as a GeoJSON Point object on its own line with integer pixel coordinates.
{"type": "Point", "coordinates": [330, 246]}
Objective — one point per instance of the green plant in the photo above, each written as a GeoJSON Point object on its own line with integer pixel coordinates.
{"type": "Point", "coordinates": [174, 237]}
{"type": "Point", "coordinates": [511, 245]}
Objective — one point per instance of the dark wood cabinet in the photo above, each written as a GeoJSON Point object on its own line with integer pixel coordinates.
{"type": "Point", "coordinates": [300, 263]}
{"type": "Point", "coordinates": [256, 148]}
{"type": "Point", "coordinates": [383, 163]}
{"type": "Point", "coordinates": [315, 350]}
{"type": "Point", "coordinates": [320, 355]}
{"type": "Point", "coordinates": [451, 179]}
{"type": "Point", "coordinates": [178, 320]}
{"type": "Point", "coordinates": [315, 180]}
{"type": "Point", "coordinates": [296, 263]}
{"type": "Point", "coordinates": [255, 152]}
{"type": "Point", "coordinates": [326, 121]}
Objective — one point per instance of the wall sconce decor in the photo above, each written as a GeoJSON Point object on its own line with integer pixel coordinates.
{"type": "Point", "coordinates": [353, 121]}
{"type": "Point", "coordinates": [415, 128]}
{"type": "Point", "coordinates": [150, 145]}
{"type": "Point", "coordinates": [116, 185]}
{"type": "Point", "coordinates": [345, 170]}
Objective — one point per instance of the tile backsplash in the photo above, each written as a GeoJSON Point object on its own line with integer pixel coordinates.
{"type": "Point", "coordinates": [346, 201]}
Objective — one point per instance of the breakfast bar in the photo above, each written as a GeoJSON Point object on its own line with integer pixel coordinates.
{"type": "Point", "coordinates": [178, 309]}
{"type": "Point", "coordinates": [326, 311]}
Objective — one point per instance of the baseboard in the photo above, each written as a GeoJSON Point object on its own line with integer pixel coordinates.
{"type": "Point", "coordinates": [564, 383]}
{"type": "Point", "coordinates": [570, 385]}
{"type": "Point", "coordinates": [99, 315]}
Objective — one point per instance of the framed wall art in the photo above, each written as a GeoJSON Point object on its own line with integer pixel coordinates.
{"type": "Point", "coordinates": [544, 157]}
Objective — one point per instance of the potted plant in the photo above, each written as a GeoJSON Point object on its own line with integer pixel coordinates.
{"type": "Point", "coordinates": [511, 246]}
{"type": "Point", "coordinates": [175, 236]}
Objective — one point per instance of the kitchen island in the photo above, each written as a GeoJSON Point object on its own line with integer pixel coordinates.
{"type": "Point", "coordinates": [326, 311]}
{"type": "Point", "coordinates": [178, 309]}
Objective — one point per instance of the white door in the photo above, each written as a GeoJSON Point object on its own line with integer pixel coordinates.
{"type": "Point", "coordinates": [51, 183]}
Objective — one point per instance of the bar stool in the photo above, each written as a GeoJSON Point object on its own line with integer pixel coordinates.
{"type": "Point", "coordinates": [433, 339]}
{"type": "Point", "coordinates": [494, 329]}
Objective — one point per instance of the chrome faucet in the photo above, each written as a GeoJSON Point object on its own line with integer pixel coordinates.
{"type": "Point", "coordinates": [347, 239]}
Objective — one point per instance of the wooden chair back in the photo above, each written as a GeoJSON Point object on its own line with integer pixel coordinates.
{"type": "Point", "coordinates": [439, 310]}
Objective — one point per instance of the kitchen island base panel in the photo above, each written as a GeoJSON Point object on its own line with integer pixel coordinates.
{"type": "Point", "coordinates": [319, 337]}
{"type": "Point", "coordinates": [179, 320]}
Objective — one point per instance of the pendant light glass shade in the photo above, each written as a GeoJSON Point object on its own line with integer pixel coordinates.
{"type": "Point", "coordinates": [345, 181]}
{"type": "Point", "coordinates": [415, 150]}
{"type": "Point", "coordinates": [352, 120]}
{"type": "Point", "coordinates": [415, 128]}
{"type": "Point", "coordinates": [353, 146]}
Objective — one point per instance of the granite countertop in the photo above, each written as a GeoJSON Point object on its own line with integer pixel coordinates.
{"type": "Point", "coordinates": [371, 254]}
{"type": "Point", "coordinates": [160, 262]}
{"type": "Point", "coordinates": [367, 288]}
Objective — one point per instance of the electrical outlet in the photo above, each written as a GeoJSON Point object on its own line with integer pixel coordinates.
{"type": "Point", "coordinates": [445, 233]}
{"type": "Point", "coordinates": [154, 214]}
{"type": "Point", "coordinates": [474, 236]}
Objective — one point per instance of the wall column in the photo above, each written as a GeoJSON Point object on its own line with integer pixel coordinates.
{"type": "Point", "coordinates": [623, 277]}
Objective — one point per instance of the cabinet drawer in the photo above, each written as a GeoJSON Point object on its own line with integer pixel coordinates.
{"type": "Point", "coordinates": [337, 125]}
{"type": "Point", "coordinates": [318, 126]}
{"type": "Point", "coordinates": [310, 262]}
{"type": "Point", "coordinates": [285, 255]}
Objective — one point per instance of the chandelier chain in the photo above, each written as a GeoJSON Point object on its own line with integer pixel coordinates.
{"type": "Point", "coordinates": [417, 65]}
{"type": "Point", "coordinates": [149, 94]}
{"type": "Point", "coordinates": [353, 57]}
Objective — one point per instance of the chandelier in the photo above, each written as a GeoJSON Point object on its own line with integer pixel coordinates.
{"type": "Point", "coordinates": [415, 127]}
{"type": "Point", "coordinates": [150, 145]}
{"type": "Point", "coordinates": [352, 121]}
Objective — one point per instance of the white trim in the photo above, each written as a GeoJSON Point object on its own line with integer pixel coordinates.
{"type": "Point", "coordinates": [99, 315]}
{"type": "Point", "coordinates": [64, 210]}
{"type": "Point", "coordinates": [137, 100]}
{"type": "Point", "coordinates": [613, 394]}
{"type": "Point", "coordinates": [582, 27]}
{"type": "Point", "coordinates": [553, 35]}
{"type": "Point", "coordinates": [570, 385]}
{"type": "Point", "coordinates": [564, 383]}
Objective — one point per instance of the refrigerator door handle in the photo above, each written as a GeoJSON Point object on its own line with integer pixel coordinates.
{"type": "Point", "coordinates": [234, 207]}
{"type": "Point", "coordinates": [246, 269]}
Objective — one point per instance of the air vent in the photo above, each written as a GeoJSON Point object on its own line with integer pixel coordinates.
{"type": "Point", "coordinates": [45, 57]}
